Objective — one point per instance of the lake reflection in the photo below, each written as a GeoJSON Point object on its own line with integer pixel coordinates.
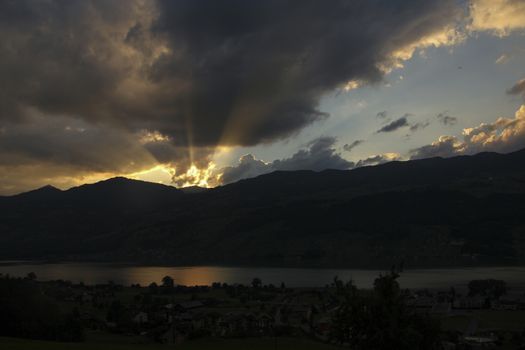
{"type": "Point", "coordinates": [91, 273]}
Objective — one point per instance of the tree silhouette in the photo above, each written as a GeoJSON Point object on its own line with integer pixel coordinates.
{"type": "Point", "coordinates": [489, 288]}
{"type": "Point", "coordinates": [167, 282]}
{"type": "Point", "coordinates": [256, 282]}
{"type": "Point", "coordinates": [381, 319]}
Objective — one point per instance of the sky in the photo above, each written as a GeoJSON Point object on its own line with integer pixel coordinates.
{"type": "Point", "coordinates": [210, 92]}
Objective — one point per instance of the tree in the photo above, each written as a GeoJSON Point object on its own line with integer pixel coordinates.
{"type": "Point", "coordinates": [381, 319]}
{"type": "Point", "coordinates": [167, 282]}
{"type": "Point", "coordinates": [489, 288]}
{"type": "Point", "coordinates": [153, 288]}
{"type": "Point", "coordinates": [26, 312]}
{"type": "Point", "coordinates": [115, 312]}
{"type": "Point", "coordinates": [256, 282]}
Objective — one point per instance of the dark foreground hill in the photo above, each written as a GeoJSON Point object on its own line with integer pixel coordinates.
{"type": "Point", "coordinates": [467, 210]}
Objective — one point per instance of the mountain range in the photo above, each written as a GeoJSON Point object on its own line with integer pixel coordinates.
{"type": "Point", "coordinates": [461, 211]}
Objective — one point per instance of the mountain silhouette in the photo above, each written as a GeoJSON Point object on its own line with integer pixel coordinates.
{"type": "Point", "coordinates": [464, 210]}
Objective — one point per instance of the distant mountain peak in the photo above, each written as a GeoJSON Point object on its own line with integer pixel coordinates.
{"type": "Point", "coordinates": [134, 190]}
{"type": "Point", "coordinates": [42, 191]}
{"type": "Point", "coordinates": [367, 217]}
{"type": "Point", "coordinates": [48, 188]}
{"type": "Point", "coordinates": [121, 180]}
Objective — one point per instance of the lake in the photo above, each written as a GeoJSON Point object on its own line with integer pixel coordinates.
{"type": "Point", "coordinates": [93, 273]}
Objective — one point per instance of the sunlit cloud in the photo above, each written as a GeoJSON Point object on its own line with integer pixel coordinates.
{"type": "Point", "coordinates": [194, 176]}
{"type": "Point", "coordinates": [161, 173]}
{"type": "Point", "coordinates": [503, 135]}
{"type": "Point", "coordinates": [146, 136]}
{"type": "Point", "coordinates": [448, 36]}
{"type": "Point", "coordinates": [353, 84]}
{"type": "Point", "coordinates": [161, 101]}
{"type": "Point", "coordinates": [504, 58]}
{"type": "Point", "coordinates": [499, 17]}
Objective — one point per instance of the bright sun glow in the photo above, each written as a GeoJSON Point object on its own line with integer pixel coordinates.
{"type": "Point", "coordinates": [205, 177]}
{"type": "Point", "coordinates": [160, 174]}
{"type": "Point", "coordinates": [170, 174]}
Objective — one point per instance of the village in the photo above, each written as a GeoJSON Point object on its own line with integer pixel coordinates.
{"type": "Point", "coordinates": [490, 317]}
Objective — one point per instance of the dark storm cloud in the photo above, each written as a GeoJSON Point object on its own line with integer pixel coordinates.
{"type": "Point", "coordinates": [349, 147]}
{"type": "Point", "coordinates": [202, 73]}
{"type": "Point", "coordinates": [260, 67]}
{"type": "Point", "coordinates": [395, 125]}
{"type": "Point", "coordinates": [207, 72]}
{"type": "Point", "coordinates": [71, 144]}
{"type": "Point", "coordinates": [518, 88]}
{"type": "Point", "coordinates": [446, 119]}
{"type": "Point", "coordinates": [248, 167]}
{"type": "Point", "coordinates": [319, 155]}
{"type": "Point", "coordinates": [61, 57]}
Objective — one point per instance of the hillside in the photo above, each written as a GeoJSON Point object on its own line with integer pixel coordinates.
{"type": "Point", "coordinates": [434, 212]}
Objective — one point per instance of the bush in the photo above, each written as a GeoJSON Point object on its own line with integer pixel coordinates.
{"type": "Point", "coordinates": [26, 313]}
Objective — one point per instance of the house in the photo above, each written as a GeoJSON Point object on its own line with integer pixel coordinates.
{"type": "Point", "coordinates": [300, 314]}
{"type": "Point", "coordinates": [184, 317]}
{"type": "Point", "coordinates": [421, 302]}
{"type": "Point", "coordinates": [441, 308]}
{"type": "Point", "coordinates": [140, 318]}
{"type": "Point", "coordinates": [238, 325]}
{"type": "Point", "coordinates": [469, 303]}
{"type": "Point", "coordinates": [172, 336]}
{"type": "Point", "coordinates": [264, 322]}
{"type": "Point", "coordinates": [188, 305]}
{"type": "Point", "coordinates": [163, 315]}
{"type": "Point", "coordinates": [505, 304]}
{"type": "Point", "coordinates": [322, 327]}
{"type": "Point", "coordinates": [86, 297]}
{"type": "Point", "coordinates": [481, 341]}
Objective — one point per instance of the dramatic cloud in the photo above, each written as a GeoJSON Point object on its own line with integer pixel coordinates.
{"type": "Point", "coordinates": [504, 135]}
{"type": "Point", "coordinates": [74, 144]}
{"type": "Point", "coordinates": [446, 119]}
{"type": "Point", "coordinates": [445, 146]}
{"type": "Point", "coordinates": [104, 87]}
{"type": "Point", "coordinates": [497, 16]}
{"type": "Point", "coordinates": [201, 73]}
{"type": "Point", "coordinates": [65, 152]}
{"type": "Point", "coordinates": [349, 147]}
{"type": "Point", "coordinates": [258, 69]}
{"type": "Point", "coordinates": [319, 155]}
{"type": "Point", "coordinates": [378, 159]}
{"type": "Point", "coordinates": [518, 88]}
{"type": "Point", "coordinates": [395, 125]}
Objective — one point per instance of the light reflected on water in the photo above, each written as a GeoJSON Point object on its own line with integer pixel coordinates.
{"type": "Point", "coordinates": [91, 273]}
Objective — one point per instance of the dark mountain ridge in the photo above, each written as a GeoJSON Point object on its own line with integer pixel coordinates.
{"type": "Point", "coordinates": [465, 210]}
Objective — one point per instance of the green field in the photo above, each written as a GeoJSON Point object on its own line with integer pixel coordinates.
{"type": "Point", "coordinates": [208, 344]}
